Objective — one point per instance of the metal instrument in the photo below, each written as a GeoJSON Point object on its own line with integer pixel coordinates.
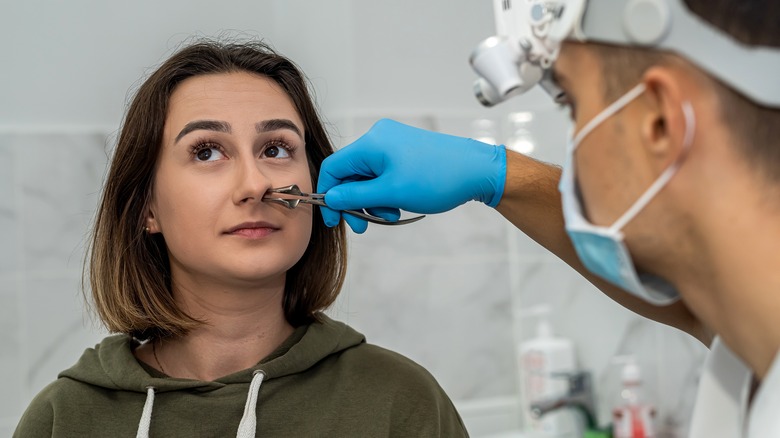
{"type": "Point", "coordinates": [291, 196]}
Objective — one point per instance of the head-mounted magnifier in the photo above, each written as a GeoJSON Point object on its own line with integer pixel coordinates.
{"type": "Point", "coordinates": [530, 33]}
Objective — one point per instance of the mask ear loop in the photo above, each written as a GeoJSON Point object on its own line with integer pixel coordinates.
{"type": "Point", "coordinates": [666, 176]}
{"type": "Point", "coordinates": [607, 113]}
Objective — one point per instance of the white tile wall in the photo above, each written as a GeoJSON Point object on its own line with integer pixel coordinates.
{"type": "Point", "coordinates": [48, 190]}
{"type": "Point", "coordinates": [445, 291]}
{"type": "Point", "coordinates": [9, 249]}
{"type": "Point", "coordinates": [10, 347]}
{"type": "Point", "coordinates": [449, 292]}
{"type": "Point", "coordinates": [58, 179]}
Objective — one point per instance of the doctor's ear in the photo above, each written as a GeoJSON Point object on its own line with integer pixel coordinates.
{"type": "Point", "coordinates": [663, 126]}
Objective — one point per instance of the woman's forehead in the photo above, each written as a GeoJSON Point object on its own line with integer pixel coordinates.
{"type": "Point", "coordinates": [238, 96]}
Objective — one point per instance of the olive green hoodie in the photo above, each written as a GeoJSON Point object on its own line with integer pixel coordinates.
{"type": "Point", "coordinates": [324, 381]}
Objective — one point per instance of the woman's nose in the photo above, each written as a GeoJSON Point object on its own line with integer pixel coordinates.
{"type": "Point", "coordinates": [252, 183]}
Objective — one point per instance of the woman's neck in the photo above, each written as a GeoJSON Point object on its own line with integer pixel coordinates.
{"type": "Point", "coordinates": [241, 328]}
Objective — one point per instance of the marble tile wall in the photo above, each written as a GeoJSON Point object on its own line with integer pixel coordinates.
{"type": "Point", "coordinates": [446, 291]}
{"type": "Point", "coordinates": [48, 190]}
{"type": "Point", "coordinates": [8, 215]}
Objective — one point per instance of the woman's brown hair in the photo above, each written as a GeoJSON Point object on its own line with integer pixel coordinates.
{"type": "Point", "coordinates": [128, 269]}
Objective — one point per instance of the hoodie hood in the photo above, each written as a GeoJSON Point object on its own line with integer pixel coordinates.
{"type": "Point", "coordinates": [324, 380]}
{"type": "Point", "coordinates": [111, 363]}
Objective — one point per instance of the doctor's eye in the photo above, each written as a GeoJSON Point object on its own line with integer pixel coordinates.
{"type": "Point", "coordinates": [566, 103]}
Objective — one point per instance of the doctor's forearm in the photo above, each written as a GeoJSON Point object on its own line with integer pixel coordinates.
{"type": "Point", "coordinates": [532, 203]}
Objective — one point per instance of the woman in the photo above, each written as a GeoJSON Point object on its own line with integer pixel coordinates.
{"type": "Point", "coordinates": [217, 294]}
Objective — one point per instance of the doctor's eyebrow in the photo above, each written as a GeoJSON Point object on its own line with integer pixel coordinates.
{"type": "Point", "coordinates": [276, 124]}
{"type": "Point", "coordinates": [208, 125]}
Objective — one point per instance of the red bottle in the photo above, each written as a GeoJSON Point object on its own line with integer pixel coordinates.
{"type": "Point", "coordinates": [633, 417]}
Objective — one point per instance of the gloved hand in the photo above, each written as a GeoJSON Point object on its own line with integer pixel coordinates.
{"type": "Point", "coordinates": [395, 166]}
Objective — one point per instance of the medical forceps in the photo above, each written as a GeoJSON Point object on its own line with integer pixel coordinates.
{"type": "Point", "coordinates": [291, 196]}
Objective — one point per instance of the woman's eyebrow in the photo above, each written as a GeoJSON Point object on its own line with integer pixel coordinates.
{"type": "Point", "coordinates": [209, 125]}
{"type": "Point", "coordinates": [276, 124]}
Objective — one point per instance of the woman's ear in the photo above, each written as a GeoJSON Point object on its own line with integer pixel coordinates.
{"type": "Point", "coordinates": [151, 225]}
{"type": "Point", "coordinates": [663, 126]}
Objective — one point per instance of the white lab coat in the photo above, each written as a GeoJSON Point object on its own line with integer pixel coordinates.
{"type": "Point", "coordinates": [722, 405]}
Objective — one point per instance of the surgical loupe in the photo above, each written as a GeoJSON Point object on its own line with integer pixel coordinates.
{"type": "Point", "coordinates": [530, 33]}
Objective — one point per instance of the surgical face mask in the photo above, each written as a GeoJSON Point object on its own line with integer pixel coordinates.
{"type": "Point", "coordinates": [602, 249]}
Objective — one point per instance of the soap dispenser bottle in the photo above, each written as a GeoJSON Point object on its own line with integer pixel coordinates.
{"type": "Point", "coordinates": [633, 416]}
{"type": "Point", "coordinates": [546, 361]}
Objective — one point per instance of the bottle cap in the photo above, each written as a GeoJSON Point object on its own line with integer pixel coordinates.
{"type": "Point", "coordinates": [631, 372]}
{"type": "Point", "coordinates": [543, 327]}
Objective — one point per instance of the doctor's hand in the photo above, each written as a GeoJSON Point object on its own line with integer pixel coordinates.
{"type": "Point", "coordinates": [395, 166]}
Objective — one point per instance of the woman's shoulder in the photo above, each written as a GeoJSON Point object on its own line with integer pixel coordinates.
{"type": "Point", "coordinates": [379, 357]}
{"type": "Point", "coordinates": [403, 387]}
{"type": "Point", "coordinates": [381, 366]}
{"type": "Point", "coordinates": [349, 349]}
{"type": "Point", "coordinates": [38, 418]}
{"type": "Point", "coordinates": [68, 381]}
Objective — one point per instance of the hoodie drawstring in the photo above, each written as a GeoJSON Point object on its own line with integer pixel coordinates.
{"type": "Point", "coordinates": [146, 416]}
{"type": "Point", "coordinates": [246, 429]}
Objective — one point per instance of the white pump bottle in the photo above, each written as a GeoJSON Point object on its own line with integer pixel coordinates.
{"type": "Point", "coordinates": [545, 362]}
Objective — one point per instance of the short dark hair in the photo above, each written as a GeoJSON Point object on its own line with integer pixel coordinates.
{"type": "Point", "coordinates": [129, 272]}
{"type": "Point", "coordinates": [752, 22]}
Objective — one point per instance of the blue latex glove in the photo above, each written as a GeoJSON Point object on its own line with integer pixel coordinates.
{"type": "Point", "coordinates": [395, 166]}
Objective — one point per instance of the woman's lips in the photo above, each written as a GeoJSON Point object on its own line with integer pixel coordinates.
{"type": "Point", "coordinates": [253, 230]}
{"type": "Point", "coordinates": [253, 233]}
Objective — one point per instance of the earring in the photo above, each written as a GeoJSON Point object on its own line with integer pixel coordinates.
{"type": "Point", "coordinates": [146, 229]}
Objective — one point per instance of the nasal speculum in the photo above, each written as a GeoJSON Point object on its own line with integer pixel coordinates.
{"type": "Point", "coordinates": [291, 196]}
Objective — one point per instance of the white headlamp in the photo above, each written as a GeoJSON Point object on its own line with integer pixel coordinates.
{"type": "Point", "coordinates": [530, 33]}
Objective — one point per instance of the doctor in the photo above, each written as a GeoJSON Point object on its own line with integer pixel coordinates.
{"type": "Point", "coordinates": [670, 198]}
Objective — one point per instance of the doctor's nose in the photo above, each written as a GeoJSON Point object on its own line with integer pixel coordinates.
{"type": "Point", "coordinates": [251, 183]}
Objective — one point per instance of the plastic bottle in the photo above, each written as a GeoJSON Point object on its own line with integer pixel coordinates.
{"type": "Point", "coordinates": [545, 360]}
{"type": "Point", "coordinates": [634, 416]}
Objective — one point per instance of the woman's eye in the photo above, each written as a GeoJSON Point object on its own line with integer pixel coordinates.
{"type": "Point", "coordinates": [276, 151]}
{"type": "Point", "coordinates": [208, 153]}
